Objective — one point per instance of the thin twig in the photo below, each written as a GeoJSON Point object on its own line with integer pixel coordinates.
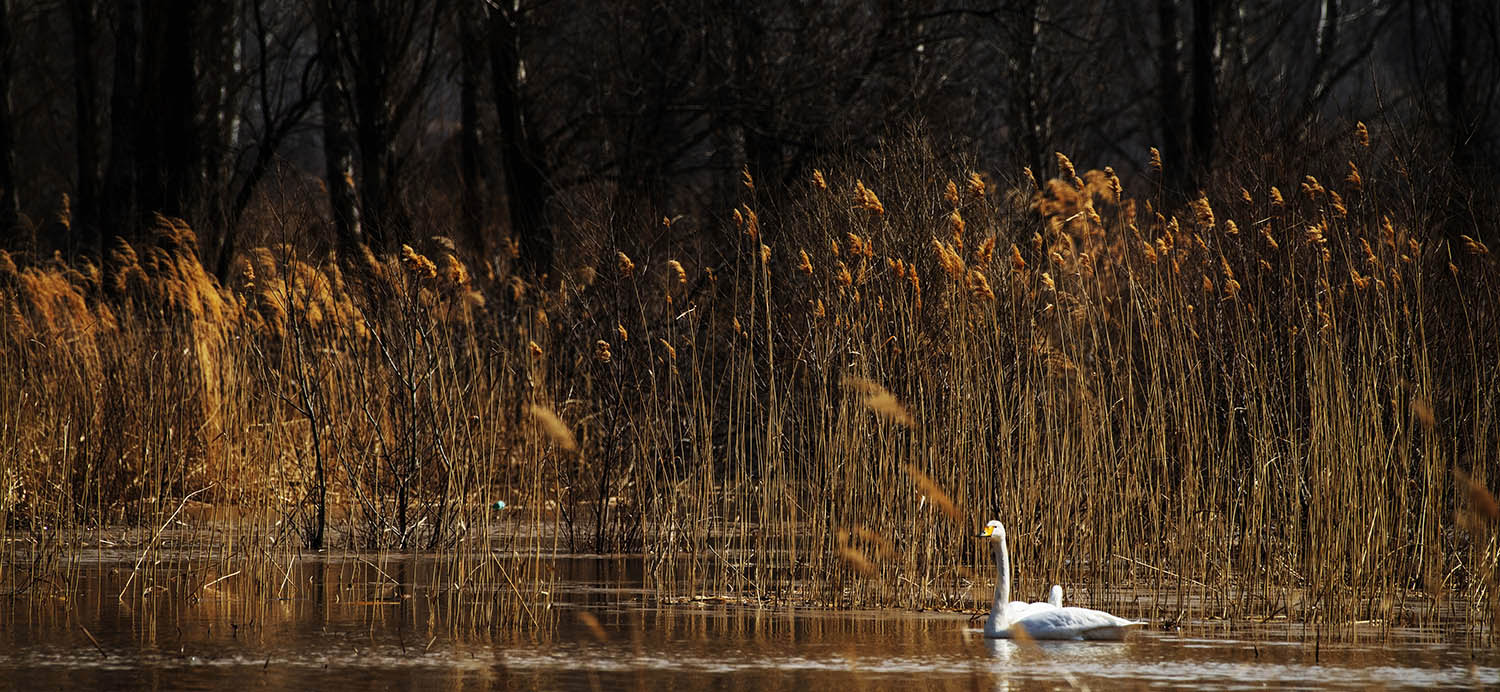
{"type": "Point", "coordinates": [95, 642]}
{"type": "Point", "coordinates": [152, 543]}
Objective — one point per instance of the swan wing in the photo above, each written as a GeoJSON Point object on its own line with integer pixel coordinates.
{"type": "Point", "coordinates": [1020, 609]}
{"type": "Point", "coordinates": [1074, 623]}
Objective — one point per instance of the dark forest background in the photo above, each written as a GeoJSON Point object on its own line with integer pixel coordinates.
{"type": "Point", "coordinates": [487, 120]}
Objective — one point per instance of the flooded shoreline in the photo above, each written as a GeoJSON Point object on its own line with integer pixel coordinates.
{"type": "Point", "coordinates": [359, 621]}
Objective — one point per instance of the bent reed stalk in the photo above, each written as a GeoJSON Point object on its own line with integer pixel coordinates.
{"type": "Point", "coordinates": [1274, 402]}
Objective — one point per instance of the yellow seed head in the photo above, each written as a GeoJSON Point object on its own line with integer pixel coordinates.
{"type": "Point", "coordinates": [1311, 188]}
{"type": "Point", "coordinates": [856, 244]}
{"type": "Point", "coordinates": [976, 184]}
{"type": "Point", "coordinates": [1155, 161]}
{"type": "Point", "coordinates": [1361, 134]}
{"type": "Point", "coordinates": [985, 252]}
{"type": "Point", "coordinates": [554, 427]}
{"type": "Point", "coordinates": [979, 287]}
{"type": "Point", "coordinates": [677, 272]}
{"type": "Point", "coordinates": [818, 181]}
{"type": "Point", "coordinates": [416, 264]}
{"type": "Point", "coordinates": [878, 400]}
{"type": "Point", "coordinates": [949, 259]}
{"type": "Point", "coordinates": [951, 193]}
{"type": "Point", "coordinates": [1315, 235]}
{"type": "Point", "coordinates": [1203, 214]}
{"type": "Point", "coordinates": [1065, 167]}
{"type": "Point", "coordinates": [627, 267]}
{"type": "Point", "coordinates": [844, 277]}
{"type": "Point", "coordinates": [956, 225]}
{"type": "Point", "coordinates": [867, 199]}
{"type": "Point", "coordinates": [806, 265]}
{"type": "Point", "coordinates": [601, 351]}
{"type": "Point", "coordinates": [454, 271]}
{"type": "Point", "coordinates": [936, 496]}
{"type": "Point", "coordinates": [1474, 247]}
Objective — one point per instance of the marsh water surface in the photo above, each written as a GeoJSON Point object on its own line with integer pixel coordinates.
{"type": "Point", "coordinates": [356, 624]}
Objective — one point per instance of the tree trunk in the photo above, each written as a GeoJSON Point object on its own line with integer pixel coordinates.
{"type": "Point", "coordinates": [1455, 72]}
{"type": "Point", "coordinates": [472, 73]}
{"type": "Point", "coordinates": [83, 18]}
{"type": "Point", "coordinates": [527, 189]}
{"type": "Point", "coordinates": [119, 210]}
{"type": "Point", "coordinates": [1205, 86]}
{"type": "Point", "coordinates": [372, 124]}
{"type": "Point", "coordinates": [763, 155]}
{"type": "Point", "coordinates": [1034, 116]}
{"type": "Point", "coordinates": [168, 145]}
{"type": "Point", "coordinates": [338, 146]}
{"type": "Point", "coordinates": [10, 209]}
{"type": "Point", "coordinates": [222, 76]}
{"type": "Point", "coordinates": [1169, 69]}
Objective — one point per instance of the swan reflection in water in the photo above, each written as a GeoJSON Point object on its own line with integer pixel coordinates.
{"type": "Point", "coordinates": [1017, 665]}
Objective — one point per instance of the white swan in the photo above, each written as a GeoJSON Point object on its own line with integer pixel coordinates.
{"type": "Point", "coordinates": [1020, 609]}
{"type": "Point", "coordinates": [1049, 621]}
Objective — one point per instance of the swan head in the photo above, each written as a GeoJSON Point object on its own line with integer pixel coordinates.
{"type": "Point", "coordinates": [994, 531]}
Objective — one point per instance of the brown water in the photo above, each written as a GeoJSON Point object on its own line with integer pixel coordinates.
{"type": "Point", "coordinates": [356, 623]}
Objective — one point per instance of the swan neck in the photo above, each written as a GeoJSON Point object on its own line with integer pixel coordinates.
{"type": "Point", "coordinates": [999, 620]}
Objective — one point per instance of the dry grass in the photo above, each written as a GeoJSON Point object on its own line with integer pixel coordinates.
{"type": "Point", "coordinates": [1248, 405]}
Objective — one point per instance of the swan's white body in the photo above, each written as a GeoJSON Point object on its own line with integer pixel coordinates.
{"type": "Point", "coordinates": [1044, 620]}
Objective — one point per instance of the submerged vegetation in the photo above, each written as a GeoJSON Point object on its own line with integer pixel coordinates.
{"type": "Point", "coordinates": [1277, 399]}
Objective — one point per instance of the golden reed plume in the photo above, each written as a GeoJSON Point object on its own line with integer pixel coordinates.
{"type": "Point", "coordinates": [880, 401]}
{"type": "Point", "coordinates": [553, 426]}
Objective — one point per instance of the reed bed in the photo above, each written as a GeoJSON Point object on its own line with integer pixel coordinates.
{"type": "Point", "coordinates": [1275, 400]}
